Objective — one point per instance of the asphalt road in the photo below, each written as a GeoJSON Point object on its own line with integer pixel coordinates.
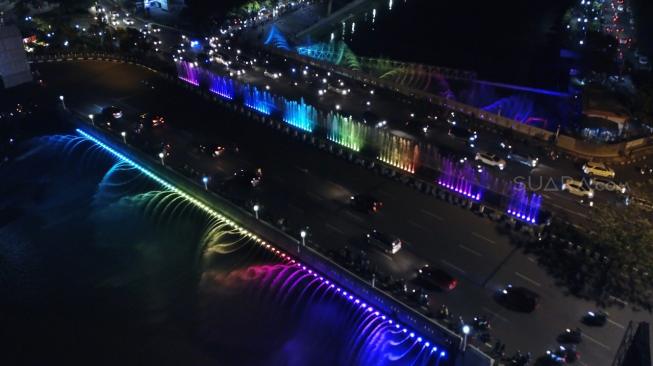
{"type": "Point", "coordinates": [311, 187]}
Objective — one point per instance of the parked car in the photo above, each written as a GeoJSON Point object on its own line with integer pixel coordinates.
{"type": "Point", "coordinates": [598, 169]}
{"type": "Point", "coordinates": [387, 243]}
{"type": "Point", "coordinates": [436, 278]}
{"type": "Point", "coordinates": [577, 188]}
{"type": "Point", "coordinates": [491, 160]}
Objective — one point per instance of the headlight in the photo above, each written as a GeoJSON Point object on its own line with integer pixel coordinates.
{"type": "Point", "coordinates": [591, 194]}
{"type": "Point", "coordinates": [534, 163]}
{"type": "Point", "coordinates": [501, 166]}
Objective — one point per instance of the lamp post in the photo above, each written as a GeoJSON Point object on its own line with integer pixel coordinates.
{"type": "Point", "coordinates": [90, 116]}
{"type": "Point", "coordinates": [63, 104]}
{"type": "Point", "coordinates": [303, 235]}
{"type": "Point", "coordinates": [205, 180]}
{"type": "Point", "coordinates": [256, 208]}
{"type": "Point", "coordinates": [124, 136]}
{"type": "Point", "coordinates": [466, 331]}
{"type": "Point", "coordinates": [161, 156]}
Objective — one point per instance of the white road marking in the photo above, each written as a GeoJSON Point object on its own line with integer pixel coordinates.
{"type": "Point", "coordinates": [595, 341]}
{"type": "Point", "coordinates": [437, 217]}
{"type": "Point", "coordinates": [528, 279]}
{"type": "Point", "coordinates": [625, 303]}
{"type": "Point", "coordinates": [532, 259]}
{"type": "Point", "coordinates": [453, 266]}
{"type": "Point", "coordinates": [416, 225]}
{"type": "Point", "coordinates": [483, 238]}
{"type": "Point", "coordinates": [329, 226]}
{"type": "Point", "coordinates": [618, 325]}
{"type": "Point", "coordinates": [470, 250]}
{"type": "Point", "coordinates": [495, 314]}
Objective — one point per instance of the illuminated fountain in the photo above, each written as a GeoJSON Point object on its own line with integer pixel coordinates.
{"type": "Point", "coordinates": [460, 178]}
{"type": "Point", "coordinates": [523, 205]}
{"type": "Point", "coordinates": [345, 131]}
{"type": "Point", "coordinates": [188, 72]}
{"type": "Point", "coordinates": [398, 151]}
{"type": "Point", "coordinates": [262, 102]}
{"type": "Point", "coordinates": [315, 305]}
{"type": "Point", "coordinates": [221, 86]}
{"type": "Point", "coordinates": [300, 115]}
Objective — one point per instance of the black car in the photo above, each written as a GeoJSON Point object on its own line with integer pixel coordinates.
{"type": "Point", "coordinates": [436, 278]}
{"type": "Point", "coordinates": [521, 157]}
{"type": "Point", "coordinates": [366, 203]}
{"type": "Point", "coordinates": [519, 299]}
{"type": "Point", "coordinates": [112, 112]}
{"type": "Point", "coordinates": [464, 134]}
{"type": "Point", "coordinates": [247, 177]}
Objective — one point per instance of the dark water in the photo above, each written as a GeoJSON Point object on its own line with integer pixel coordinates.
{"type": "Point", "coordinates": [514, 41]}
{"type": "Point", "coordinates": [99, 266]}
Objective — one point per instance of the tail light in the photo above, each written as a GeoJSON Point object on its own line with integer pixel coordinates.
{"type": "Point", "coordinates": [452, 284]}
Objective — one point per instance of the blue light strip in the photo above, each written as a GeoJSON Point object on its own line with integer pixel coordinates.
{"type": "Point", "coordinates": [287, 258]}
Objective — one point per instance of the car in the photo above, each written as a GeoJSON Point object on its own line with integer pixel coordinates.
{"type": "Point", "coordinates": [598, 169]}
{"type": "Point", "coordinates": [490, 159]}
{"type": "Point", "coordinates": [605, 184]}
{"type": "Point", "coordinates": [464, 134]}
{"type": "Point", "coordinates": [212, 150]}
{"type": "Point", "coordinates": [339, 89]}
{"type": "Point", "coordinates": [271, 75]}
{"type": "Point", "coordinates": [248, 177]}
{"type": "Point", "coordinates": [519, 156]}
{"type": "Point", "coordinates": [436, 278]}
{"type": "Point", "coordinates": [365, 202]}
{"type": "Point", "coordinates": [640, 203]}
{"type": "Point", "coordinates": [519, 299]}
{"type": "Point", "coordinates": [577, 188]}
{"type": "Point", "coordinates": [128, 21]}
{"type": "Point", "coordinates": [112, 112]}
{"type": "Point", "coordinates": [387, 243]}
{"type": "Point", "coordinates": [236, 68]}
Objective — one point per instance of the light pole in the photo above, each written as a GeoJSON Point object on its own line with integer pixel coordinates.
{"type": "Point", "coordinates": [124, 136]}
{"type": "Point", "coordinates": [62, 102]}
{"type": "Point", "coordinates": [303, 235]}
{"type": "Point", "coordinates": [161, 156]}
{"type": "Point", "coordinates": [90, 116]}
{"type": "Point", "coordinates": [466, 331]}
{"type": "Point", "coordinates": [205, 180]}
{"type": "Point", "coordinates": [256, 207]}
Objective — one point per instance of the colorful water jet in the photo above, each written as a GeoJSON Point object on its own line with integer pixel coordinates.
{"type": "Point", "coordinates": [460, 179]}
{"type": "Point", "coordinates": [345, 131]}
{"type": "Point", "coordinates": [300, 115]}
{"type": "Point", "coordinates": [221, 86]}
{"type": "Point", "coordinates": [188, 72]}
{"type": "Point", "coordinates": [398, 151]}
{"type": "Point", "coordinates": [260, 101]}
{"type": "Point", "coordinates": [523, 205]}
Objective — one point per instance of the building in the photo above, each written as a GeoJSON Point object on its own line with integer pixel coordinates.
{"type": "Point", "coordinates": [14, 69]}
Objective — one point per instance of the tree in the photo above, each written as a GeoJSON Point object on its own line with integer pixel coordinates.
{"type": "Point", "coordinates": [626, 238]}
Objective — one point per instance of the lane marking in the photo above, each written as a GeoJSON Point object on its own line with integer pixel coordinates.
{"type": "Point", "coordinates": [470, 250]}
{"type": "Point", "coordinates": [329, 226]}
{"type": "Point", "coordinates": [595, 341]}
{"type": "Point", "coordinates": [453, 266]}
{"type": "Point", "coordinates": [524, 277]}
{"type": "Point", "coordinates": [495, 314]}
{"type": "Point", "coordinates": [479, 236]}
{"type": "Point", "coordinates": [437, 217]}
{"type": "Point", "coordinates": [532, 259]}
{"type": "Point", "coordinates": [417, 225]}
{"type": "Point", "coordinates": [625, 303]}
{"type": "Point", "coordinates": [618, 325]}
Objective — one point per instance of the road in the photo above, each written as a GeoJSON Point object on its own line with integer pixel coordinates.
{"type": "Point", "coordinates": [311, 187]}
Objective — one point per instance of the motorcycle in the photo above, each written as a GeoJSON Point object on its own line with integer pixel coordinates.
{"type": "Point", "coordinates": [562, 355]}
{"type": "Point", "coordinates": [598, 318]}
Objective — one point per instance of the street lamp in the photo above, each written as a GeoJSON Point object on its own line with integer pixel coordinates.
{"type": "Point", "coordinates": [303, 235]}
{"type": "Point", "coordinates": [205, 180]}
{"type": "Point", "coordinates": [466, 331]}
{"type": "Point", "coordinates": [161, 156]}
{"type": "Point", "coordinates": [62, 102]}
{"type": "Point", "coordinates": [90, 116]}
{"type": "Point", "coordinates": [256, 208]}
{"type": "Point", "coordinates": [124, 136]}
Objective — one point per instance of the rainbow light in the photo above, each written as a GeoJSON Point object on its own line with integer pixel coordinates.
{"type": "Point", "coordinates": [283, 256]}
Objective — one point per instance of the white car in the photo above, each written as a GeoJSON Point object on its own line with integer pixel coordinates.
{"type": "Point", "coordinates": [577, 188]}
{"type": "Point", "coordinates": [604, 184]}
{"type": "Point", "coordinates": [271, 75]}
{"type": "Point", "coordinates": [491, 160]}
{"type": "Point", "coordinates": [598, 169]}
